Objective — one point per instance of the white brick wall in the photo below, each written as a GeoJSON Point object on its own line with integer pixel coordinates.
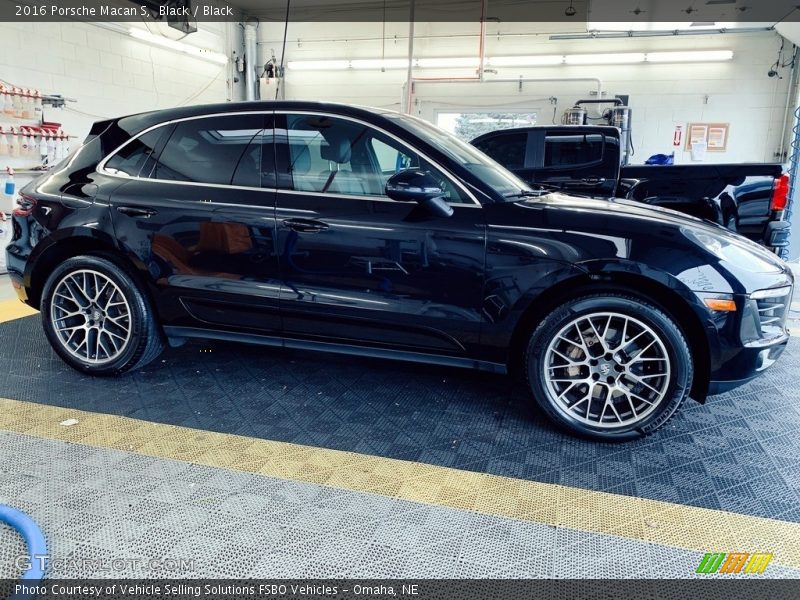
{"type": "Point", "coordinates": [661, 95]}
{"type": "Point", "coordinates": [108, 73]}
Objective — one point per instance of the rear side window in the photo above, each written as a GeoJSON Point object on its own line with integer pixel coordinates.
{"type": "Point", "coordinates": [219, 150]}
{"type": "Point", "coordinates": [568, 149]}
{"type": "Point", "coordinates": [508, 149]}
{"type": "Point", "coordinates": [133, 156]}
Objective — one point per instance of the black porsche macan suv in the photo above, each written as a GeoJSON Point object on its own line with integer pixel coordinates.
{"type": "Point", "coordinates": [366, 232]}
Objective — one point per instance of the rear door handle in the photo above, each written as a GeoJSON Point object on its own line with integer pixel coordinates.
{"type": "Point", "coordinates": [136, 211]}
{"type": "Point", "coordinates": [305, 225]}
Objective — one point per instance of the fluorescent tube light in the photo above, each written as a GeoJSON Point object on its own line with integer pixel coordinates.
{"type": "Point", "coordinates": [378, 63]}
{"type": "Point", "coordinates": [525, 61]}
{"type": "Point", "coordinates": [535, 60]}
{"type": "Point", "coordinates": [443, 63]}
{"type": "Point", "coordinates": [604, 59]}
{"type": "Point", "coordinates": [691, 56]}
{"type": "Point", "coordinates": [194, 51]}
{"type": "Point", "coordinates": [318, 65]}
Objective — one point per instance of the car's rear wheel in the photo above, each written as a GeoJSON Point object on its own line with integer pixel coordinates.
{"type": "Point", "coordinates": [609, 366]}
{"type": "Point", "coordinates": [97, 319]}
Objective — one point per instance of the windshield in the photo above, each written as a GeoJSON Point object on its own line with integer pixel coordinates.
{"type": "Point", "coordinates": [493, 174]}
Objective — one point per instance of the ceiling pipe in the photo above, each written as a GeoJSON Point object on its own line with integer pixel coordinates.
{"type": "Point", "coordinates": [478, 77]}
{"type": "Point", "coordinates": [520, 80]}
{"type": "Point", "coordinates": [482, 45]}
{"type": "Point", "coordinates": [410, 76]}
{"type": "Point", "coordinates": [645, 34]}
{"type": "Point", "coordinates": [251, 59]}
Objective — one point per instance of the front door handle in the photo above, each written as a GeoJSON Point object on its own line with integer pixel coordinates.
{"type": "Point", "coordinates": [305, 225]}
{"type": "Point", "coordinates": [136, 211]}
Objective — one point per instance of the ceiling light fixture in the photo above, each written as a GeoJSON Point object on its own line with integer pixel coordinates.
{"type": "Point", "coordinates": [536, 60]}
{"type": "Point", "coordinates": [691, 56]}
{"type": "Point", "coordinates": [193, 51]}
{"type": "Point", "coordinates": [570, 11]}
{"type": "Point", "coordinates": [604, 59]}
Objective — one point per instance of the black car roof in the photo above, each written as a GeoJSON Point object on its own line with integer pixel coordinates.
{"type": "Point", "coordinates": [140, 121]}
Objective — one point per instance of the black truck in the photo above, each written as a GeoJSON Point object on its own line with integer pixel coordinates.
{"type": "Point", "coordinates": [583, 159]}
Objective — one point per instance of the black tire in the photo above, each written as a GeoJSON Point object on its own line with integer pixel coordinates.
{"type": "Point", "coordinates": [143, 341]}
{"type": "Point", "coordinates": [673, 379]}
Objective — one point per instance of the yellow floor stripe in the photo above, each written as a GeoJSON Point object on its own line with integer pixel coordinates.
{"type": "Point", "coordinates": [665, 523]}
{"type": "Point", "coordinates": [14, 309]}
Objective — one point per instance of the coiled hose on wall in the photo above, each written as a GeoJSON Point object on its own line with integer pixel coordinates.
{"type": "Point", "coordinates": [34, 539]}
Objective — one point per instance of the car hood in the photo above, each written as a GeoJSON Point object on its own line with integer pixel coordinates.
{"type": "Point", "coordinates": [762, 259]}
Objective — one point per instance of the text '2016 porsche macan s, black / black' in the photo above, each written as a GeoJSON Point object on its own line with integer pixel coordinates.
{"type": "Point", "coordinates": [365, 232]}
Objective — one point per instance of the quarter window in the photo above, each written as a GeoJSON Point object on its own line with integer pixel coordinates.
{"type": "Point", "coordinates": [334, 156]}
{"type": "Point", "coordinates": [132, 157]}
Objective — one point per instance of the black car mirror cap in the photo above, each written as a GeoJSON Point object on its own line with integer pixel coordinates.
{"type": "Point", "coordinates": [416, 185]}
{"type": "Point", "coordinates": [413, 185]}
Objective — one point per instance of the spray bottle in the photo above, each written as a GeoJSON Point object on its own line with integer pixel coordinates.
{"type": "Point", "coordinates": [9, 186]}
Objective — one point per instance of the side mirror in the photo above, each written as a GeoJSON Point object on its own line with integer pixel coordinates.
{"type": "Point", "coordinates": [420, 187]}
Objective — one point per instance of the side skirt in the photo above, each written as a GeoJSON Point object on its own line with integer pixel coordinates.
{"type": "Point", "coordinates": [177, 334]}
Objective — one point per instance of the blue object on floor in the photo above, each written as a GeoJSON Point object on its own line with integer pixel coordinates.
{"type": "Point", "coordinates": [661, 159]}
{"type": "Point", "coordinates": [33, 536]}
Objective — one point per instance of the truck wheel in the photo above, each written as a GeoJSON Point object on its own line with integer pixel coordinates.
{"type": "Point", "coordinates": [608, 367]}
{"type": "Point", "coordinates": [97, 319]}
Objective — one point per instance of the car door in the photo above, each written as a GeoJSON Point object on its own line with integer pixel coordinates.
{"type": "Point", "coordinates": [198, 212]}
{"type": "Point", "coordinates": [577, 159]}
{"type": "Point", "coordinates": [359, 268]}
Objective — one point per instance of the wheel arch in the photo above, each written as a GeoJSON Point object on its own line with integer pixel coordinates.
{"type": "Point", "coordinates": [651, 290]}
{"type": "Point", "coordinates": [68, 244]}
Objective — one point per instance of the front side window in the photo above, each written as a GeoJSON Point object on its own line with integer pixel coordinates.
{"type": "Point", "coordinates": [489, 171]}
{"type": "Point", "coordinates": [329, 155]}
{"type": "Point", "coordinates": [223, 150]}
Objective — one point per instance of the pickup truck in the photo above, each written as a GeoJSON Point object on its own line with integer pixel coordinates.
{"type": "Point", "coordinates": [582, 159]}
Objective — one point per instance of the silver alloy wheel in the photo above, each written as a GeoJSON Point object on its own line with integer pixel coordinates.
{"type": "Point", "coordinates": [90, 316]}
{"type": "Point", "coordinates": [607, 370]}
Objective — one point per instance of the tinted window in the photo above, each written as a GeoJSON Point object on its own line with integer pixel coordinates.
{"type": "Point", "coordinates": [132, 157]}
{"type": "Point", "coordinates": [222, 150]}
{"type": "Point", "coordinates": [566, 149]}
{"type": "Point", "coordinates": [338, 156]}
{"type": "Point", "coordinates": [508, 149]}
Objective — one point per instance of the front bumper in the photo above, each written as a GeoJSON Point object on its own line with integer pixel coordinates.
{"type": "Point", "coordinates": [748, 364]}
{"type": "Point", "coordinates": [750, 339]}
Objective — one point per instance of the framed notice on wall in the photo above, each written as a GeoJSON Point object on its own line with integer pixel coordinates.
{"type": "Point", "coordinates": [714, 136]}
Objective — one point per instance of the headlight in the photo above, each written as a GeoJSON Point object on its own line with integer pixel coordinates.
{"type": "Point", "coordinates": [740, 252]}
{"type": "Point", "coordinates": [771, 293]}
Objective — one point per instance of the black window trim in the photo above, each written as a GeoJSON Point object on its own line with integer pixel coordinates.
{"type": "Point", "coordinates": [101, 165]}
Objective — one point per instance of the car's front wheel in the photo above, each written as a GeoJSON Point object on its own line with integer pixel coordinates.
{"type": "Point", "coordinates": [609, 366]}
{"type": "Point", "coordinates": [97, 319]}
